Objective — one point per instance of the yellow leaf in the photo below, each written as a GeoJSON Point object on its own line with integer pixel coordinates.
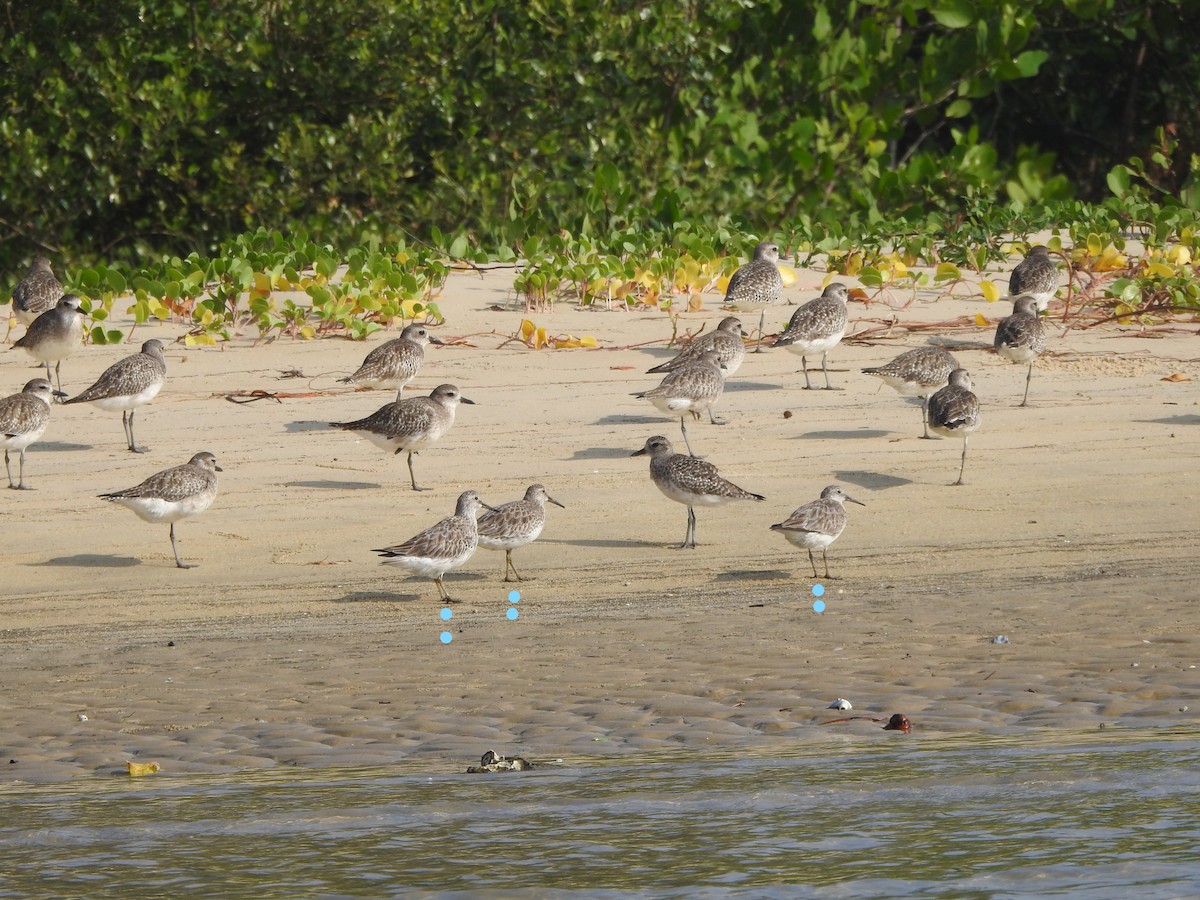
{"type": "Point", "coordinates": [136, 770]}
{"type": "Point", "coordinates": [947, 271]}
{"type": "Point", "coordinates": [723, 283]}
{"type": "Point", "coordinates": [981, 320]}
{"type": "Point", "coordinates": [991, 293]}
{"type": "Point", "coordinates": [200, 340]}
{"type": "Point", "coordinates": [1123, 311]}
{"type": "Point", "coordinates": [588, 341]}
{"type": "Point", "coordinates": [527, 329]}
{"type": "Point", "coordinates": [1159, 270]}
{"type": "Point", "coordinates": [695, 303]}
{"type": "Point", "coordinates": [307, 332]}
{"type": "Point", "coordinates": [788, 274]}
{"type": "Point", "coordinates": [262, 283]}
{"type": "Point", "coordinates": [853, 263]}
{"type": "Point", "coordinates": [1179, 255]}
{"type": "Point", "coordinates": [1110, 260]}
{"type": "Point", "coordinates": [540, 339]}
{"type": "Point", "coordinates": [1093, 245]}
{"type": "Point", "coordinates": [567, 343]}
{"type": "Point", "coordinates": [1175, 377]}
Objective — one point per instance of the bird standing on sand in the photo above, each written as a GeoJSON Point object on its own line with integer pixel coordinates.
{"type": "Point", "coordinates": [954, 411]}
{"type": "Point", "coordinates": [817, 327]}
{"type": "Point", "coordinates": [690, 481]}
{"type": "Point", "coordinates": [173, 494]}
{"type": "Point", "coordinates": [23, 419]}
{"type": "Point", "coordinates": [515, 524]}
{"type": "Point", "coordinates": [128, 384]}
{"type": "Point", "coordinates": [54, 335]}
{"type": "Point", "coordinates": [1020, 338]}
{"type": "Point", "coordinates": [816, 525]}
{"type": "Point", "coordinates": [410, 425]}
{"type": "Point", "coordinates": [441, 547]}
{"type": "Point", "coordinates": [917, 373]}
{"type": "Point", "coordinates": [37, 292]}
{"type": "Point", "coordinates": [757, 284]}
{"type": "Point", "coordinates": [726, 340]}
{"type": "Point", "coordinates": [691, 388]}
{"type": "Point", "coordinates": [1036, 275]}
{"type": "Point", "coordinates": [395, 363]}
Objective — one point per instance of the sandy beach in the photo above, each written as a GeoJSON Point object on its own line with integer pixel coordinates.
{"type": "Point", "coordinates": [1074, 537]}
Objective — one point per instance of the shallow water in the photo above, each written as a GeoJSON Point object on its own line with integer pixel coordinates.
{"type": "Point", "coordinates": [1094, 815]}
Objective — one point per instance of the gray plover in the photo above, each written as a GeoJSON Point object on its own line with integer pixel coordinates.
{"type": "Point", "coordinates": [37, 292]}
{"type": "Point", "coordinates": [954, 412]}
{"type": "Point", "coordinates": [1036, 275]}
{"type": "Point", "coordinates": [395, 363]}
{"type": "Point", "coordinates": [757, 284]}
{"type": "Point", "coordinates": [817, 327]}
{"type": "Point", "coordinates": [726, 340]}
{"type": "Point", "coordinates": [690, 481]}
{"type": "Point", "coordinates": [515, 524]}
{"type": "Point", "coordinates": [816, 525]}
{"type": "Point", "coordinates": [917, 373]}
{"type": "Point", "coordinates": [173, 494]}
{"type": "Point", "coordinates": [410, 425]}
{"type": "Point", "coordinates": [23, 419]}
{"type": "Point", "coordinates": [54, 335]}
{"type": "Point", "coordinates": [128, 384]}
{"type": "Point", "coordinates": [441, 547]}
{"type": "Point", "coordinates": [1020, 338]}
{"type": "Point", "coordinates": [692, 388]}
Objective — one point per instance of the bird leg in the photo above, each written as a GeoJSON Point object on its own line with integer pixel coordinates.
{"type": "Point", "coordinates": [963, 467]}
{"type": "Point", "coordinates": [508, 564]}
{"type": "Point", "coordinates": [57, 373]}
{"type": "Point", "coordinates": [813, 563]}
{"type": "Point", "coordinates": [825, 369]}
{"type": "Point", "coordinates": [411, 475]}
{"type": "Point", "coordinates": [925, 418]}
{"type": "Point", "coordinates": [762, 320]}
{"type": "Point", "coordinates": [689, 540]}
{"type": "Point", "coordinates": [129, 433]}
{"type": "Point", "coordinates": [178, 562]}
{"type": "Point", "coordinates": [804, 364]}
{"type": "Point", "coordinates": [1028, 378]}
{"type": "Point", "coordinates": [825, 559]}
{"type": "Point", "coordinates": [445, 598]}
{"type": "Point", "coordinates": [683, 428]}
{"type": "Point", "coordinates": [715, 420]}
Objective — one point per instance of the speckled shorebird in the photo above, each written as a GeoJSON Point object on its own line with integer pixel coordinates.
{"type": "Point", "coordinates": [173, 494]}
{"type": "Point", "coordinates": [1036, 275]}
{"type": "Point", "coordinates": [757, 284]}
{"type": "Point", "coordinates": [54, 335]}
{"type": "Point", "coordinates": [917, 373]}
{"type": "Point", "coordinates": [1020, 338]}
{"type": "Point", "coordinates": [817, 327]}
{"type": "Point", "coordinates": [515, 524]}
{"type": "Point", "coordinates": [393, 364]}
{"type": "Point", "coordinates": [690, 481]}
{"type": "Point", "coordinates": [726, 340]}
{"type": "Point", "coordinates": [441, 547]}
{"type": "Point", "coordinates": [954, 412]}
{"type": "Point", "coordinates": [816, 525]}
{"type": "Point", "coordinates": [410, 425]}
{"type": "Point", "coordinates": [37, 292]}
{"type": "Point", "coordinates": [691, 388]}
{"type": "Point", "coordinates": [128, 384]}
{"type": "Point", "coordinates": [23, 419]}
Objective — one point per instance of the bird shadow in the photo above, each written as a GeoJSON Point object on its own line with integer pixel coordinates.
{"type": "Point", "coordinates": [602, 453]}
{"type": "Point", "coordinates": [376, 597]}
{"type": "Point", "coordinates": [872, 481]}
{"type": "Point", "coordinates": [631, 420]}
{"type": "Point", "coordinates": [755, 575]}
{"type": "Point", "coordinates": [1186, 419]}
{"type": "Point", "coordinates": [335, 485]}
{"type": "Point", "coordinates": [60, 447]}
{"type": "Point", "coordinates": [298, 426]}
{"type": "Point", "coordinates": [93, 560]}
{"type": "Point", "coordinates": [843, 435]}
{"type": "Point", "coordinates": [602, 543]}
{"type": "Point", "coordinates": [740, 387]}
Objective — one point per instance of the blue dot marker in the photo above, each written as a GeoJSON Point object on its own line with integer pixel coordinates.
{"type": "Point", "coordinates": [818, 590]}
{"type": "Point", "coordinates": [447, 637]}
{"type": "Point", "coordinates": [447, 613]}
{"type": "Point", "coordinates": [819, 606]}
{"type": "Point", "coordinates": [512, 614]}
{"type": "Point", "coordinates": [513, 597]}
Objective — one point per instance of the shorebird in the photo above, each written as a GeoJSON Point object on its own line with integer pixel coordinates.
{"type": "Point", "coordinates": [817, 327]}
{"type": "Point", "coordinates": [1020, 337]}
{"type": "Point", "coordinates": [917, 373]}
{"type": "Point", "coordinates": [726, 340]}
{"type": "Point", "coordinates": [1036, 275]}
{"type": "Point", "coordinates": [23, 419]}
{"type": "Point", "coordinates": [757, 284]}
{"type": "Point", "coordinates": [173, 494]}
{"type": "Point", "coordinates": [441, 547]}
{"type": "Point", "coordinates": [690, 481]}
{"type": "Point", "coordinates": [128, 384]}
{"type": "Point", "coordinates": [393, 364]}
{"type": "Point", "coordinates": [816, 525]}
{"type": "Point", "coordinates": [954, 411]}
{"type": "Point", "coordinates": [691, 388]}
{"type": "Point", "coordinates": [410, 425]}
{"type": "Point", "coordinates": [515, 524]}
{"type": "Point", "coordinates": [37, 292]}
{"type": "Point", "coordinates": [54, 335]}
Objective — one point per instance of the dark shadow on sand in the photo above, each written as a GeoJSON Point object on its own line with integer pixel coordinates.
{"type": "Point", "coordinates": [843, 435]}
{"type": "Point", "coordinates": [872, 481]}
{"type": "Point", "coordinates": [295, 427]}
{"type": "Point", "coordinates": [92, 561]}
{"type": "Point", "coordinates": [335, 485]}
{"type": "Point", "coordinates": [604, 452]}
{"type": "Point", "coordinates": [740, 387]}
{"type": "Point", "coordinates": [1186, 419]}
{"type": "Point", "coordinates": [602, 543]}
{"type": "Point", "coordinates": [756, 575]}
{"type": "Point", "coordinates": [58, 447]}
{"type": "Point", "coordinates": [632, 420]}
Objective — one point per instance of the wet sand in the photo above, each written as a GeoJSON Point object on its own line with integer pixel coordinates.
{"type": "Point", "coordinates": [290, 645]}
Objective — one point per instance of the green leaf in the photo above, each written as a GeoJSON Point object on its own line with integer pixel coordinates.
{"type": "Point", "coordinates": [954, 13]}
{"type": "Point", "coordinates": [1030, 61]}
{"type": "Point", "coordinates": [958, 109]}
{"type": "Point", "coordinates": [1118, 181]}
